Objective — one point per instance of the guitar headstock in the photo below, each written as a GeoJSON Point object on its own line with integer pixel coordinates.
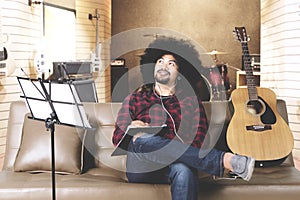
{"type": "Point", "coordinates": [241, 35]}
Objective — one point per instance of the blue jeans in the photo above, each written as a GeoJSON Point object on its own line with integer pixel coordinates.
{"type": "Point", "coordinates": [153, 159]}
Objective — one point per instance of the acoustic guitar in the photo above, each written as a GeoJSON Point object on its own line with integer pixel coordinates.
{"type": "Point", "coordinates": [256, 128]}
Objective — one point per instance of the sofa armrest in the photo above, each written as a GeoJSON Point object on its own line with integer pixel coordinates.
{"type": "Point", "coordinates": [18, 110]}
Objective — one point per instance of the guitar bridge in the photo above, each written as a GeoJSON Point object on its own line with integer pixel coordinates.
{"type": "Point", "coordinates": [258, 128]}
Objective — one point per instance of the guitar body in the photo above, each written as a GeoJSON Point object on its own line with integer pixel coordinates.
{"type": "Point", "coordinates": [256, 128]}
{"type": "Point", "coordinates": [8, 65]}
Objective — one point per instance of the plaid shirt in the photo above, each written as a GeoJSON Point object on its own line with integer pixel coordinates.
{"type": "Point", "coordinates": [145, 105]}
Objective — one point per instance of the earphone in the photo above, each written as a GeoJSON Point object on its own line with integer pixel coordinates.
{"type": "Point", "coordinates": [168, 113]}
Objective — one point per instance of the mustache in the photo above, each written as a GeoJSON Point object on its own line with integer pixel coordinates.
{"type": "Point", "coordinates": [163, 70]}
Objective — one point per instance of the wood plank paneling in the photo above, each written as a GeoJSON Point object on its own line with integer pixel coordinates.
{"type": "Point", "coordinates": [280, 52]}
{"type": "Point", "coordinates": [86, 39]}
{"type": "Point", "coordinates": [23, 26]}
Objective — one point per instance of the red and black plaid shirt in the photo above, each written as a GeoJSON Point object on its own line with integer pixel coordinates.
{"type": "Point", "coordinates": [145, 105]}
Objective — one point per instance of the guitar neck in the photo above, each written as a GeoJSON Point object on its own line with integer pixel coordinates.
{"type": "Point", "coordinates": [250, 80]}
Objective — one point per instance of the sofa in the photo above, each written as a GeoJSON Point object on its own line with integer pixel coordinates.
{"type": "Point", "coordinates": [85, 168]}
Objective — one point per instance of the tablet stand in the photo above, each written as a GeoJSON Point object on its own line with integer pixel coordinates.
{"type": "Point", "coordinates": [54, 103]}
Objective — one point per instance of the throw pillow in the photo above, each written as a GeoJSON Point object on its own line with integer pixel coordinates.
{"type": "Point", "coordinates": [35, 149]}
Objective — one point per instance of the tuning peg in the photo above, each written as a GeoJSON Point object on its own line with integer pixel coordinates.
{"type": "Point", "coordinates": [234, 35]}
{"type": "Point", "coordinates": [248, 38]}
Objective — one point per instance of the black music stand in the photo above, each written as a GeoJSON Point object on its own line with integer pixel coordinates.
{"type": "Point", "coordinates": [53, 103]}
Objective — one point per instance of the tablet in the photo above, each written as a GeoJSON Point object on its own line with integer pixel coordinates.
{"type": "Point", "coordinates": [122, 147]}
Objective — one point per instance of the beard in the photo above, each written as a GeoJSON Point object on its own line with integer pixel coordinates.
{"type": "Point", "coordinates": [162, 79]}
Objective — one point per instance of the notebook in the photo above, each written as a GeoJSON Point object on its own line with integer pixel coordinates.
{"type": "Point", "coordinates": [122, 147]}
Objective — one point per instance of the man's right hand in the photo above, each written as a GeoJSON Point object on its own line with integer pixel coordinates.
{"type": "Point", "coordinates": [138, 123]}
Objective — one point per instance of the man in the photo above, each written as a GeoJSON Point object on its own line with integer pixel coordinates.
{"type": "Point", "coordinates": [174, 155]}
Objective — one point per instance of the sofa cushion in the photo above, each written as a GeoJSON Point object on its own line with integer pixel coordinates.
{"type": "Point", "coordinates": [35, 149]}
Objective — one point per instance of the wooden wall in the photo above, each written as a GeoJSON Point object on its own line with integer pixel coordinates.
{"type": "Point", "coordinates": [86, 40]}
{"type": "Point", "coordinates": [23, 25]}
{"type": "Point", "coordinates": [280, 51]}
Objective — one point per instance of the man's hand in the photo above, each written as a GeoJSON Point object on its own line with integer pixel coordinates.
{"type": "Point", "coordinates": [138, 123]}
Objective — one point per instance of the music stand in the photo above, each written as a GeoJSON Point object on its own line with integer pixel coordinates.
{"type": "Point", "coordinates": [53, 103]}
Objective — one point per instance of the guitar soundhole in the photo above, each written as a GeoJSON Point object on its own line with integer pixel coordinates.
{"type": "Point", "coordinates": [255, 107]}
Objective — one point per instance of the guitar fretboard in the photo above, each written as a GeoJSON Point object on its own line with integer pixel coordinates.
{"type": "Point", "coordinates": [250, 80]}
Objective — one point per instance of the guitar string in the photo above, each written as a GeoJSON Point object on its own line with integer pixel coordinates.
{"type": "Point", "coordinates": [252, 90]}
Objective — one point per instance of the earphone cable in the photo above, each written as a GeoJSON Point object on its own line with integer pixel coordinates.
{"type": "Point", "coordinates": [168, 113]}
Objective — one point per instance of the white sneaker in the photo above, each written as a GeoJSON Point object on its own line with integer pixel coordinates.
{"type": "Point", "coordinates": [243, 166]}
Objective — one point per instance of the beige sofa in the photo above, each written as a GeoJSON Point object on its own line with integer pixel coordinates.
{"type": "Point", "coordinates": [92, 173]}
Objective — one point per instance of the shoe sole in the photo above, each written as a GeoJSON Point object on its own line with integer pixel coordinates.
{"type": "Point", "coordinates": [250, 169]}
